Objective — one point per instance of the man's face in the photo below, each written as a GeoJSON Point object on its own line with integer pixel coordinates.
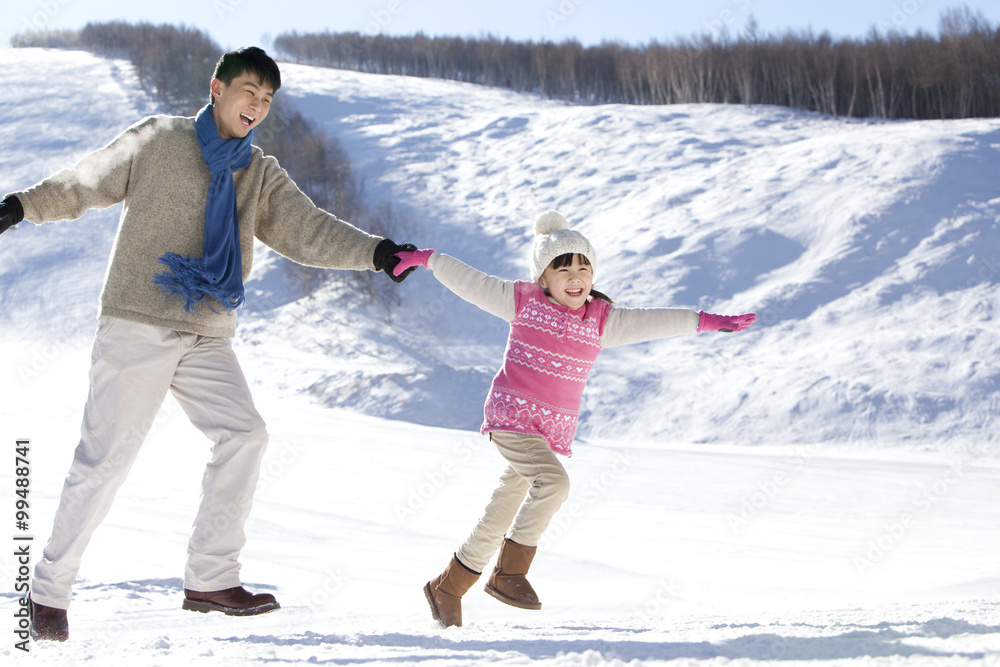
{"type": "Point", "coordinates": [240, 106]}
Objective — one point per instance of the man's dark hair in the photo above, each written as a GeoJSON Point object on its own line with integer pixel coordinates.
{"type": "Point", "coordinates": [249, 59]}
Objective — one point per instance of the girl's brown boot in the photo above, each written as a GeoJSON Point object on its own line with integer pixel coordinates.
{"type": "Point", "coordinates": [508, 582]}
{"type": "Point", "coordinates": [444, 592]}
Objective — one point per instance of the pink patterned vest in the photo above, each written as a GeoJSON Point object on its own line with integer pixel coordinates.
{"type": "Point", "coordinates": [550, 352]}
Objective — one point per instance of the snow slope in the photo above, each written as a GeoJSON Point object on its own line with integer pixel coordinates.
{"type": "Point", "coordinates": [868, 250]}
{"type": "Point", "coordinates": [860, 529]}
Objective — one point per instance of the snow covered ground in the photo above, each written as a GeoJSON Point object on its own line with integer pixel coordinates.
{"type": "Point", "coordinates": [821, 488]}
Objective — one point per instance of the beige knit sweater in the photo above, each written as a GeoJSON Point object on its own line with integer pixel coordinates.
{"type": "Point", "coordinates": [157, 169]}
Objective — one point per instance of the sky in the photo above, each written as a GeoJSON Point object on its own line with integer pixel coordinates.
{"type": "Point", "coordinates": [234, 23]}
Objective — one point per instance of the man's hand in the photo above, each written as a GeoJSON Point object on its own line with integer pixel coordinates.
{"type": "Point", "coordinates": [725, 323]}
{"type": "Point", "coordinates": [11, 212]}
{"type": "Point", "coordinates": [385, 258]}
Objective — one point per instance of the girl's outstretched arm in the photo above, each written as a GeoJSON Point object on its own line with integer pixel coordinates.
{"type": "Point", "coordinates": [492, 294]}
{"type": "Point", "coordinates": [637, 325]}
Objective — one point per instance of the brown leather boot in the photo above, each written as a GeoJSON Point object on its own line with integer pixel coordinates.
{"type": "Point", "coordinates": [444, 592]}
{"type": "Point", "coordinates": [231, 601]}
{"type": "Point", "coordinates": [508, 582]}
{"type": "Point", "coordinates": [47, 623]}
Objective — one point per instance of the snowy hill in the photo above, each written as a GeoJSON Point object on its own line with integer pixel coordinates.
{"type": "Point", "coordinates": [868, 249]}
{"type": "Point", "coordinates": [860, 528]}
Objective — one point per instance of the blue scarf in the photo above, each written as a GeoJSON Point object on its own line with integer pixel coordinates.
{"type": "Point", "coordinates": [219, 272]}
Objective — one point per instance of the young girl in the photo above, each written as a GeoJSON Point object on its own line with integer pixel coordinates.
{"type": "Point", "coordinates": [558, 325]}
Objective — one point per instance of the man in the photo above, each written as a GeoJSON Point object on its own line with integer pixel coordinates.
{"type": "Point", "coordinates": [196, 193]}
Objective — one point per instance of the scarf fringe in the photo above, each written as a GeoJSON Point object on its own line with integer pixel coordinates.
{"type": "Point", "coordinates": [188, 279]}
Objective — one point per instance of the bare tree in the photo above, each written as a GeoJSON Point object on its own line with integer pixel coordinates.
{"type": "Point", "coordinates": [885, 75]}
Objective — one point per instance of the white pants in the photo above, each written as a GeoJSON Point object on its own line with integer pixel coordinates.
{"type": "Point", "coordinates": [532, 489]}
{"type": "Point", "coordinates": [133, 366]}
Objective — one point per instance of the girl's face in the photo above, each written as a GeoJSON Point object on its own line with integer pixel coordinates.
{"type": "Point", "coordinates": [568, 285]}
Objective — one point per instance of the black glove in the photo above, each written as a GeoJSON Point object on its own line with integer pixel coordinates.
{"type": "Point", "coordinates": [11, 212]}
{"type": "Point", "coordinates": [385, 258]}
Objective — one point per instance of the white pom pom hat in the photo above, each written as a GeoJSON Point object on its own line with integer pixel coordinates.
{"type": "Point", "coordinates": [553, 237]}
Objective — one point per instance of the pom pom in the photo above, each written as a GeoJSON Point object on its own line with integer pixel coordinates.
{"type": "Point", "coordinates": [550, 221]}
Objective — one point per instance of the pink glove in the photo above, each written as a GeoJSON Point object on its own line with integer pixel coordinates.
{"type": "Point", "coordinates": [725, 323]}
{"type": "Point", "coordinates": [409, 258]}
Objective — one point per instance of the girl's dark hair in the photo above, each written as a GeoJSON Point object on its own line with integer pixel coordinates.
{"type": "Point", "coordinates": [250, 59]}
{"type": "Point", "coordinates": [567, 260]}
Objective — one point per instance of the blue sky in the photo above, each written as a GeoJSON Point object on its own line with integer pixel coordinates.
{"type": "Point", "coordinates": [235, 23]}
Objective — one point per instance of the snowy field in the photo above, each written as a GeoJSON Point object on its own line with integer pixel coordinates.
{"type": "Point", "coordinates": [820, 490]}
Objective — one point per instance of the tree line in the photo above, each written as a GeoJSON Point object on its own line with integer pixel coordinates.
{"type": "Point", "coordinates": [953, 75]}
{"type": "Point", "coordinates": [175, 65]}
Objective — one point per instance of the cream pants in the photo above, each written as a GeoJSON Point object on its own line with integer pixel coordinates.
{"type": "Point", "coordinates": [132, 367]}
{"type": "Point", "coordinates": [532, 489]}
